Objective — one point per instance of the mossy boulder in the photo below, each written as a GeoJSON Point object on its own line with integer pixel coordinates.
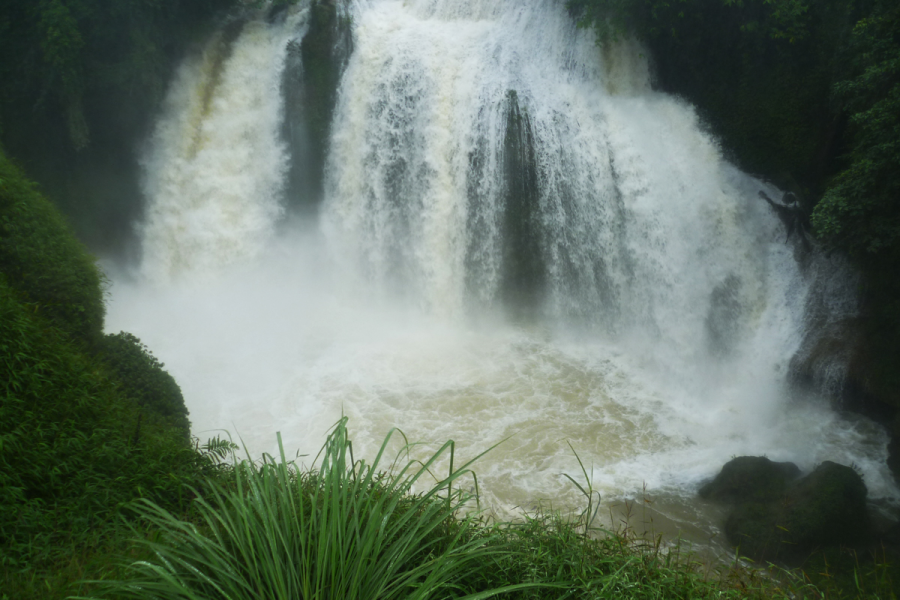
{"type": "Point", "coordinates": [748, 479]}
{"type": "Point", "coordinates": [825, 508]}
{"type": "Point", "coordinates": [828, 507]}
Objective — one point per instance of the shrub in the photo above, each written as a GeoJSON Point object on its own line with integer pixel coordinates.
{"type": "Point", "coordinates": [41, 258]}
{"type": "Point", "coordinates": [143, 379]}
{"type": "Point", "coordinates": [73, 449]}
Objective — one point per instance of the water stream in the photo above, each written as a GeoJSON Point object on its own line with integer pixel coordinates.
{"type": "Point", "coordinates": [518, 241]}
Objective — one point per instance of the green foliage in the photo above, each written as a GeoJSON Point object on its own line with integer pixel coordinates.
{"type": "Point", "coordinates": [61, 46]}
{"type": "Point", "coordinates": [144, 380]}
{"type": "Point", "coordinates": [345, 531]}
{"type": "Point", "coordinates": [71, 448]}
{"type": "Point", "coordinates": [82, 80]}
{"type": "Point", "coordinates": [66, 48]}
{"type": "Point", "coordinates": [860, 212]}
{"type": "Point", "coordinates": [847, 573]}
{"type": "Point", "coordinates": [217, 449]}
{"type": "Point", "coordinates": [41, 258]}
{"type": "Point", "coordinates": [74, 449]}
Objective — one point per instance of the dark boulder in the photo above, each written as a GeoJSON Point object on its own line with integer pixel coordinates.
{"type": "Point", "coordinates": [748, 479]}
{"type": "Point", "coordinates": [825, 508]}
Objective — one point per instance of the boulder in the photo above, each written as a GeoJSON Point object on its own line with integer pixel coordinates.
{"type": "Point", "coordinates": [747, 479]}
{"type": "Point", "coordinates": [825, 508]}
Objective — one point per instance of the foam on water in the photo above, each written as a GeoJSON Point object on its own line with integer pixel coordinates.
{"type": "Point", "coordinates": [672, 305]}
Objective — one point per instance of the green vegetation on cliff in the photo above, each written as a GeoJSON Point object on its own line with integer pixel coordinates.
{"type": "Point", "coordinates": [87, 423]}
{"type": "Point", "coordinates": [40, 257]}
{"type": "Point", "coordinates": [144, 379]}
{"type": "Point", "coordinates": [81, 81]}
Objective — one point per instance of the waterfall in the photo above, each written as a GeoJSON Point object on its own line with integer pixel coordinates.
{"type": "Point", "coordinates": [516, 238]}
{"type": "Point", "coordinates": [215, 168]}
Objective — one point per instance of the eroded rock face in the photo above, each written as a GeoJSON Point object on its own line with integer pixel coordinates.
{"type": "Point", "coordinates": [779, 517]}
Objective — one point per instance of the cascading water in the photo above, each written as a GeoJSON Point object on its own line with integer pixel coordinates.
{"type": "Point", "coordinates": [518, 239]}
{"type": "Point", "coordinates": [215, 168]}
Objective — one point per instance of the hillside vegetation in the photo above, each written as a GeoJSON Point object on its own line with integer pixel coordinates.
{"type": "Point", "coordinates": [88, 422]}
{"type": "Point", "coordinates": [81, 83]}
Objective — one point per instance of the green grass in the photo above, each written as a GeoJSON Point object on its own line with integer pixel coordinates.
{"type": "Point", "coordinates": [87, 423]}
{"type": "Point", "coordinates": [392, 528]}
{"type": "Point", "coordinates": [350, 529]}
{"type": "Point", "coordinates": [347, 530]}
{"type": "Point", "coordinates": [72, 448]}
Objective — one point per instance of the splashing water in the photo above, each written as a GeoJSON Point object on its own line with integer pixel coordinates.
{"type": "Point", "coordinates": [519, 241]}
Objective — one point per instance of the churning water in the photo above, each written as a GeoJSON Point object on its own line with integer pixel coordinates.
{"type": "Point", "coordinates": [518, 240]}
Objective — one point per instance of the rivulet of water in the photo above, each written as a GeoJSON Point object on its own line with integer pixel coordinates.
{"type": "Point", "coordinates": [520, 243]}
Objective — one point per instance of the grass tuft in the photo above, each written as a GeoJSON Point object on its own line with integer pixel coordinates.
{"type": "Point", "coordinates": [346, 530]}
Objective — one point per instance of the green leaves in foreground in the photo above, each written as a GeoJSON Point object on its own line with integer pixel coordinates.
{"type": "Point", "coordinates": [348, 530]}
{"type": "Point", "coordinates": [344, 531]}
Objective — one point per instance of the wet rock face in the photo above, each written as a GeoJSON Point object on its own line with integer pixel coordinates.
{"type": "Point", "coordinates": [750, 479]}
{"type": "Point", "coordinates": [778, 518]}
{"type": "Point", "coordinates": [312, 75]}
{"type": "Point", "coordinates": [837, 361]}
{"type": "Point", "coordinates": [893, 460]}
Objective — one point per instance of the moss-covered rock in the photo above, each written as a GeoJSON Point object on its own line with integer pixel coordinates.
{"type": "Point", "coordinates": [828, 507]}
{"type": "Point", "coordinates": [749, 479]}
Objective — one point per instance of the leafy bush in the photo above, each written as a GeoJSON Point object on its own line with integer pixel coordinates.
{"type": "Point", "coordinates": [143, 379]}
{"type": "Point", "coordinates": [72, 448]}
{"type": "Point", "coordinates": [860, 212]}
{"type": "Point", "coordinates": [40, 256]}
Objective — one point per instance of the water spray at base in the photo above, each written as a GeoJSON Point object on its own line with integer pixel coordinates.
{"type": "Point", "coordinates": [519, 239]}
